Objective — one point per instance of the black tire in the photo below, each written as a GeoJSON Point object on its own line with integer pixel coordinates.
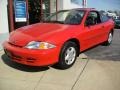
{"type": "Point", "coordinates": [109, 40]}
{"type": "Point", "coordinates": [64, 63]}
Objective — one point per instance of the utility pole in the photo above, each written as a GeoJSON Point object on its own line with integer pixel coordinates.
{"type": "Point", "coordinates": [84, 3]}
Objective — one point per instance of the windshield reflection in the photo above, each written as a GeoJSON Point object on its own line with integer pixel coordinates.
{"type": "Point", "coordinates": [73, 17]}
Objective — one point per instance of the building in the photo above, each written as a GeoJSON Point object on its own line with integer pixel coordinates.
{"type": "Point", "coordinates": [4, 27]}
{"type": "Point", "coordinates": [18, 13]}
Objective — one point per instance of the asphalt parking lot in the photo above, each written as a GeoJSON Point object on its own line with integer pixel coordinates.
{"type": "Point", "coordinates": [95, 69]}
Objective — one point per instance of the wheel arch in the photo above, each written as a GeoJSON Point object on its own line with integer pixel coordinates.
{"type": "Point", "coordinates": [77, 42]}
{"type": "Point", "coordinates": [112, 30]}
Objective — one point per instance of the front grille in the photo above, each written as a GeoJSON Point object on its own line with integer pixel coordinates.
{"type": "Point", "coordinates": [31, 60]}
{"type": "Point", "coordinates": [12, 55]}
{"type": "Point", "coordinates": [16, 56]}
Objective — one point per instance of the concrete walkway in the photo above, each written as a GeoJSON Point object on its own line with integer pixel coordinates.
{"type": "Point", "coordinates": [84, 75]}
{"type": "Point", "coordinates": [3, 37]}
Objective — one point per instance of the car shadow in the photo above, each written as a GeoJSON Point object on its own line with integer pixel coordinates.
{"type": "Point", "coordinates": [21, 67]}
{"type": "Point", "coordinates": [109, 53]}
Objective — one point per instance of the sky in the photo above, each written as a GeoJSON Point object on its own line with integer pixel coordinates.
{"type": "Point", "coordinates": [104, 4]}
{"type": "Point", "coordinates": [101, 4]}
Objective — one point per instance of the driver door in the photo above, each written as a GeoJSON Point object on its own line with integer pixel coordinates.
{"type": "Point", "coordinates": [92, 30]}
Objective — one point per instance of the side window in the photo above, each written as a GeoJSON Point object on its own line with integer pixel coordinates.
{"type": "Point", "coordinates": [104, 18]}
{"type": "Point", "coordinates": [93, 18]}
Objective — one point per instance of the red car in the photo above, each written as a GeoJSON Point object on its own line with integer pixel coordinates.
{"type": "Point", "coordinates": [60, 38]}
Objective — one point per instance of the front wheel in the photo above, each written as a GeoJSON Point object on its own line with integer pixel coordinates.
{"type": "Point", "coordinates": [109, 40]}
{"type": "Point", "coordinates": [68, 55]}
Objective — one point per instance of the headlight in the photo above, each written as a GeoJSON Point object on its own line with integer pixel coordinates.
{"type": "Point", "coordinates": [39, 45]}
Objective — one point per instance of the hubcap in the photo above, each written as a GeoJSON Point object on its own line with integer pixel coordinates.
{"type": "Point", "coordinates": [110, 38]}
{"type": "Point", "coordinates": [70, 55]}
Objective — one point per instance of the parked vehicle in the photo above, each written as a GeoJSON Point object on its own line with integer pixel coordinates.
{"type": "Point", "coordinates": [60, 38]}
{"type": "Point", "coordinates": [111, 14]}
{"type": "Point", "coordinates": [117, 23]}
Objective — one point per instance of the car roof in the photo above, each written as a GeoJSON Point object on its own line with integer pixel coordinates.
{"type": "Point", "coordinates": [86, 9]}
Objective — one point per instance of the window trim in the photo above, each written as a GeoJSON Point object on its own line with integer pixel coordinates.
{"type": "Point", "coordinates": [97, 14]}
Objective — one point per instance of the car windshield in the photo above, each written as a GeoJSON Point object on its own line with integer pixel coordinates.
{"type": "Point", "coordinates": [73, 17]}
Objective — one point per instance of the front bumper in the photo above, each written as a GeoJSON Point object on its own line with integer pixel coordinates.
{"type": "Point", "coordinates": [31, 57]}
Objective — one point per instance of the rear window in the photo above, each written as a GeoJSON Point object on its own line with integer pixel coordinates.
{"type": "Point", "coordinates": [104, 17]}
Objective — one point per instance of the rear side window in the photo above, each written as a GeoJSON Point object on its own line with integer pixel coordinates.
{"type": "Point", "coordinates": [104, 18]}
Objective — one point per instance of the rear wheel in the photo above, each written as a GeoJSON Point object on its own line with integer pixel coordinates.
{"type": "Point", "coordinates": [109, 40]}
{"type": "Point", "coordinates": [68, 55]}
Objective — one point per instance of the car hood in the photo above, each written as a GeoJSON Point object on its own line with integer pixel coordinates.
{"type": "Point", "coordinates": [24, 35]}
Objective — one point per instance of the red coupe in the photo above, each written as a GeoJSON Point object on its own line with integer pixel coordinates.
{"type": "Point", "coordinates": [60, 38]}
